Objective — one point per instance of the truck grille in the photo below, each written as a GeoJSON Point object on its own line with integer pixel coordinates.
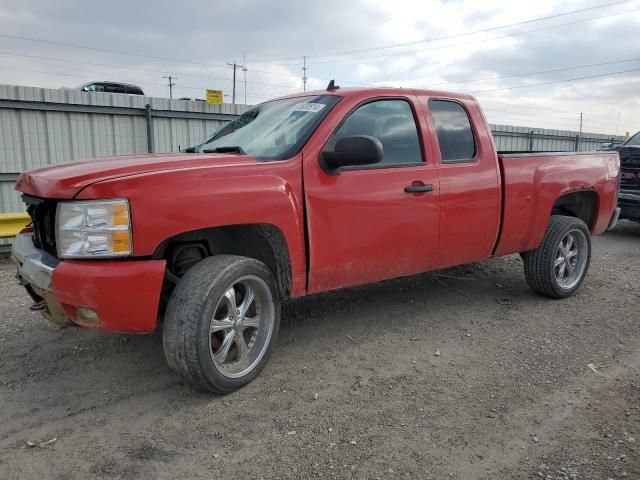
{"type": "Point", "coordinates": [629, 168]}
{"type": "Point", "coordinates": [630, 178]}
{"type": "Point", "coordinates": [43, 216]}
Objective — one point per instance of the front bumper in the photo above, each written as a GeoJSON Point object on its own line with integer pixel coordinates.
{"type": "Point", "coordinates": [123, 295]}
{"type": "Point", "coordinates": [629, 202]}
{"type": "Point", "coordinates": [614, 219]}
{"type": "Point", "coordinates": [35, 267]}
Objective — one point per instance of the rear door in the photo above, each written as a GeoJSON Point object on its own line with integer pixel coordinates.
{"type": "Point", "coordinates": [470, 182]}
{"type": "Point", "coordinates": [365, 224]}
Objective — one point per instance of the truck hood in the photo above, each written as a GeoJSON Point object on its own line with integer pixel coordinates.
{"type": "Point", "coordinates": [629, 156]}
{"type": "Point", "coordinates": [66, 180]}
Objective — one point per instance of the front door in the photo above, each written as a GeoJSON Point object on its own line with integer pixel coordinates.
{"type": "Point", "coordinates": [374, 222]}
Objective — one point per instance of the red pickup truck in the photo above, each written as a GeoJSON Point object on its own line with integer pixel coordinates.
{"type": "Point", "coordinates": [302, 194]}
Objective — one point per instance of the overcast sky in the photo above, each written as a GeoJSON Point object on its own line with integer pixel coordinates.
{"type": "Point", "coordinates": [351, 41]}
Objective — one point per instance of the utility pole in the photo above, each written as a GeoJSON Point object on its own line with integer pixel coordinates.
{"type": "Point", "coordinates": [235, 66]}
{"type": "Point", "coordinates": [580, 124]}
{"type": "Point", "coordinates": [579, 138]}
{"type": "Point", "coordinates": [244, 72]}
{"type": "Point", "coordinates": [304, 74]}
{"type": "Point", "coordinates": [171, 85]}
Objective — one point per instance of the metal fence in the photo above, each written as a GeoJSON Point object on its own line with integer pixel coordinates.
{"type": "Point", "coordinates": [511, 138]}
{"type": "Point", "coordinates": [40, 127]}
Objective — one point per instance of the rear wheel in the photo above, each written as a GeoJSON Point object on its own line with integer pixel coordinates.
{"type": "Point", "coordinates": [221, 322]}
{"type": "Point", "coordinates": [558, 267]}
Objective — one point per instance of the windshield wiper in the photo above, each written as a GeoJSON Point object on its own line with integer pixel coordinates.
{"type": "Point", "coordinates": [232, 149]}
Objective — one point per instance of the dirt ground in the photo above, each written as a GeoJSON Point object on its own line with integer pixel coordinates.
{"type": "Point", "coordinates": [465, 374]}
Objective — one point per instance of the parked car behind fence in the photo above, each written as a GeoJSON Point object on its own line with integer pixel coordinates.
{"type": "Point", "coordinates": [111, 87]}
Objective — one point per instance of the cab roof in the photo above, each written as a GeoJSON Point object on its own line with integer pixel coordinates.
{"type": "Point", "coordinates": [373, 91]}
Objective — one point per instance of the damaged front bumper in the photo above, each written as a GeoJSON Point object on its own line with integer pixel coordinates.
{"type": "Point", "coordinates": [35, 273]}
{"type": "Point", "coordinates": [109, 295]}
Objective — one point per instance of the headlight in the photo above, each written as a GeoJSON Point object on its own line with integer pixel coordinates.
{"type": "Point", "coordinates": [93, 228]}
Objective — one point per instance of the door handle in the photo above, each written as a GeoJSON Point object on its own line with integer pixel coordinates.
{"type": "Point", "coordinates": [418, 188]}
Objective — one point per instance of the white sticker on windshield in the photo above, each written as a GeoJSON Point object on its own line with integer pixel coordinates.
{"type": "Point", "coordinates": [308, 107]}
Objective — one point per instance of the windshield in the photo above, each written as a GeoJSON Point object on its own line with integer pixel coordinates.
{"type": "Point", "coordinates": [633, 141]}
{"type": "Point", "coordinates": [273, 130]}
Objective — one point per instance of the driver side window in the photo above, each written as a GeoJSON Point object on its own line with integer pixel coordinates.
{"type": "Point", "coordinates": [391, 122]}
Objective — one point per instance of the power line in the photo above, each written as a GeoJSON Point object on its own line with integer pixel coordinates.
{"type": "Point", "coordinates": [127, 67]}
{"type": "Point", "coordinates": [508, 35]}
{"type": "Point", "coordinates": [546, 109]}
{"type": "Point", "coordinates": [285, 93]}
{"type": "Point", "coordinates": [293, 87]}
{"type": "Point", "coordinates": [119, 52]}
{"type": "Point", "coordinates": [433, 39]}
{"type": "Point", "coordinates": [189, 87]}
{"type": "Point", "coordinates": [529, 114]}
{"type": "Point", "coordinates": [539, 72]}
{"type": "Point", "coordinates": [256, 95]}
{"type": "Point", "coordinates": [108, 50]}
{"type": "Point", "coordinates": [558, 81]}
{"type": "Point", "coordinates": [266, 94]}
{"type": "Point", "coordinates": [296, 76]}
{"type": "Point", "coordinates": [590, 117]}
{"type": "Point", "coordinates": [524, 116]}
{"type": "Point", "coordinates": [266, 72]}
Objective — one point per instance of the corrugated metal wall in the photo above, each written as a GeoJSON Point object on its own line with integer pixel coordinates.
{"type": "Point", "coordinates": [511, 138]}
{"type": "Point", "coordinates": [34, 134]}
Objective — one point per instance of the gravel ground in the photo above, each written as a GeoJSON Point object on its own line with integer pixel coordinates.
{"type": "Point", "coordinates": [464, 374]}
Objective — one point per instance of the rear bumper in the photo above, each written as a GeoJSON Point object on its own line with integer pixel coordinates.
{"type": "Point", "coordinates": [123, 295]}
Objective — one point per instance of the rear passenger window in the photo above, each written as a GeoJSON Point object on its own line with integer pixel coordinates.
{"type": "Point", "coordinates": [391, 122]}
{"type": "Point", "coordinates": [454, 132]}
{"type": "Point", "coordinates": [134, 90]}
{"type": "Point", "coordinates": [113, 88]}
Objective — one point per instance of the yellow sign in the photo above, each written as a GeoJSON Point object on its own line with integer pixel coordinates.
{"type": "Point", "coordinates": [214, 97]}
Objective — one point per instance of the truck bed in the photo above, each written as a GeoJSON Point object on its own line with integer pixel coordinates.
{"type": "Point", "coordinates": [532, 183]}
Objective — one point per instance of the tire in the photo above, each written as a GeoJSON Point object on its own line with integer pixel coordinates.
{"type": "Point", "coordinates": [546, 267]}
{"type": "Point", "coordinates": [202, 336]}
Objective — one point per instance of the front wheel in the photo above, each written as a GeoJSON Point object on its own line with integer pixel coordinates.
{"type": "Point", "coordinates": [221, 322]}
{"type": "Point", "coordinates": [559, 265]}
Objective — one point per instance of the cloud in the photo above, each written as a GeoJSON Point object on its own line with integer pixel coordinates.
{"type": "Point", "coordinates": [203, 35]}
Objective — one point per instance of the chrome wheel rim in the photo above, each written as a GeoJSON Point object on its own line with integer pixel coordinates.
{"type": "Point", "coordinates": [571, 259]}
{"type": "Point", "coordinates": [241, 326]}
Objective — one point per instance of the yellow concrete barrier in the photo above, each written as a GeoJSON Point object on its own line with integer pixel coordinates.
{"type": "Point", "coordinates": [12, 223]}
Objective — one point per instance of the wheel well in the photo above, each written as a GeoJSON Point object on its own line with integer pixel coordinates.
{"type": "Point", "coordinates": [263, 242]}
{"type": "Point", "coordinates": [582, 205]}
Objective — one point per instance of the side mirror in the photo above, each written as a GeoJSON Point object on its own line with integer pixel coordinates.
{"type": "Point", "coordinates": [353, 150]}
